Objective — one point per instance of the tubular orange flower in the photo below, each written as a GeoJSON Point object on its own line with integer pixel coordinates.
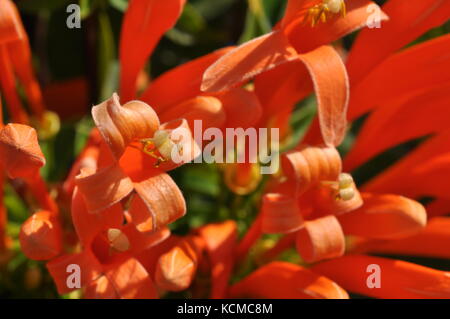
{"type": "Point", "coordinates": [220, 244]}
{"type": "Point", "coordinates": [400, 279]}
{"type": "Point", "coordinates": [284, 280]}
{"type": "Point", "coordinates": [143, 18]}
{"type": "Point", "coordinates": [319, 60]}
{"type": "Point", "coordinates": [15, 59]}
{"type": "Point", "coordinates": [382, 218]}
{"type": "Point", "coordinates": [157, 201]}
{"type": "Point", "coordinates": [108, 263]}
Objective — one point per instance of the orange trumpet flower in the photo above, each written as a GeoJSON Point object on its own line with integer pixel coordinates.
{"type": "Point", "coordinates": [15, 59]}
{"type": "Point", "coordinates": [295, 47]}
{"type": "Point", "coordinates": [176, 93]}
{"type": "Point", "coordinates": [108, 255]}
{"type": "Point", "coordinates": [137, 168]}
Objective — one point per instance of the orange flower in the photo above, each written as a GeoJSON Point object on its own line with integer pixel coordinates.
{"type": "Point", "coordinates": [295, 58]}
{"type": "Point", "coordinates": [109, 268]}
{"type": "Point", "coordinates": [382, 82]}
{"type": "Point", "coordinates": [176, 93]}
{"type": "Point", "coordinates": [137, 168]}
{"type": "Point", "coordinates": [15, 59]}
{"type": "Point", "coordinates": [279, 280]}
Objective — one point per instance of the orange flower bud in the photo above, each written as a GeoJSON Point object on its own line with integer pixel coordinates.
{"type": "Point", "coordinates": [41, 236]}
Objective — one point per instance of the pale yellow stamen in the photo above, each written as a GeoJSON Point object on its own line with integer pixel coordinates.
{"type": "Point", "coordinates": [346, 187]}
{"type": "Point", "coordinates": [160, 146]}
{"type": "Point", "coordinates": [118, 240]}
{"type": "Point", "coordinates": [325, 10]}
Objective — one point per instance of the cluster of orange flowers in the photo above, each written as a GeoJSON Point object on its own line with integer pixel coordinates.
{"type": "Point", "coordinates": [122, 199]}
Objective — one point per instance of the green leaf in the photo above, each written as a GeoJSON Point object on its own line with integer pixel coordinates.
{"type": "Point", "coordinates": [106, 51]}
{"type": "Point", "coordinates": [87, 8]}
{"type": "Point", "coordinates": [120, 5]}
{"type": "Point", "coordinates": [17, 210]}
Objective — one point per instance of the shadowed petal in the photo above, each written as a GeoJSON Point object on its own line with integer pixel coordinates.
{"type": "Point", "coordinates": [88, 225]}
{"type": "Point", "coordinates": [207, 109]}
{"type": "Point", "coordinates": [399, 279]}
{"type": "Point", "coordinates": [220, 240]}
{"type": "Point", "coordinates": [180, 83]}
{"type": "Point", "coordinates": [237, 102]}
{"type": "Point", "coordinates": [90, 269]}
{"type": "Point", "coordinates": [279, 280]}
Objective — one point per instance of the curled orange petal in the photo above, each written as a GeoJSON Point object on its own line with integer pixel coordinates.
{"type": "Point", "coordinates": [248, 60]}
{"type": "Point", "coordinates": [282, 280]}
{"type": "Point", "coordinates": [385, 217]}
{"type": "Point", "coordinates": [280, 214]}
{"type": "Point", "coordinates": [331, 86]}
{"type": "Point", "coordinates": [158, 203]}
{"type": "Point", "coordinates": [41, 236]}
{"type": "Point", "coordinates": [120, 125]}
{"type": "Point", "coordinates": [321, 239]}
{"type": "Point", "coordinates": [103, 188]}
{"type": "Point", "coordinates": [311, 164]}
{"type": "Point", "coordinates": [19, 151]}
